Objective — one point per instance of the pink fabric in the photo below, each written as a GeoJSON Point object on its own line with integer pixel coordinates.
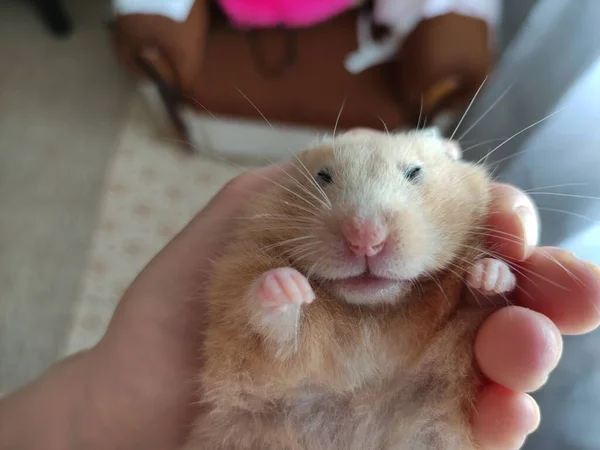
{"type": "Point", "coordinates": [290, 13]}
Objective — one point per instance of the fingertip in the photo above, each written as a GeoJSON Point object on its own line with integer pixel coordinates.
{"type": "Point", "coordinates": [518, 348]}
{"type": "Point", "coordinates": [504, 418]}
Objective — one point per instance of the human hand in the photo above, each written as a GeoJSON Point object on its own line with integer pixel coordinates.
{"type": "Point", "coordinates": [518, 346]}
{"type": "Point", "coordinates": [159, 321]}
{"type": "Point", "coordinates": [135, 388]}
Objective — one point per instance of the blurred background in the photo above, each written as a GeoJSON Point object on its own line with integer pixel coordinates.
{"type": "Point", "coordinates": [118, 121]}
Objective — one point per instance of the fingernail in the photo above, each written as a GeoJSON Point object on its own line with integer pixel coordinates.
{"type": "Point", "coordinates": [555, 345]}
{"type": "Point", "coordinates": [529, 222]}
{"type": "Point", "coordinates": [592, 266]}
{"type": "Point", "coordinates": [536, 414]}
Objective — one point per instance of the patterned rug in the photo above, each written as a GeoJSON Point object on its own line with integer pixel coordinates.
{"type": "Point", "coordinates": [152, 190]}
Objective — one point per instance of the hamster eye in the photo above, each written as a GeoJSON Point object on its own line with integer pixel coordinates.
{"type": "Point", "coordinates": [325, 176]}
{"type": "Point", "coordinates": [412, 173]}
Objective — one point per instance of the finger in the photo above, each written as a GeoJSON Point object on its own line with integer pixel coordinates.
{"type": "Point", "coordinates": [504, 418]}
{"type": "Point", "coordinates": [514, 222]}
{"type": "Point", "coordinates": [560, 286]}
{"type": "Point", "coordinates": [518, 348]}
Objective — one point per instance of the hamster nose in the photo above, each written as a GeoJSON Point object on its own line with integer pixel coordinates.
{"type": "Point", "coordinates": [364, 237]}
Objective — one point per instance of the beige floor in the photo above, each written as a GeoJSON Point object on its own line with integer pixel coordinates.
{"type": "Point", "coordinates": [62, 103]}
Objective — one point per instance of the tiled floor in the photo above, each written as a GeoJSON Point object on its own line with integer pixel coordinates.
{"type": "Point", "coordinates": [62, 104]}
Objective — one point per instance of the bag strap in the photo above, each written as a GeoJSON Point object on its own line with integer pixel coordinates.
{"type": "Point", "coordinates": [291, 48]}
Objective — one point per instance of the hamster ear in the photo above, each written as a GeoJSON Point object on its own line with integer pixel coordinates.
{"type": "Point", "coordinates": [453, 149]}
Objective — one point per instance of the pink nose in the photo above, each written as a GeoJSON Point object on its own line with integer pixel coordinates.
{"type": "Point", "coordinates": [364, 237]}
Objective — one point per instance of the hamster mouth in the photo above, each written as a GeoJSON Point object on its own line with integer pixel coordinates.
{"type": "Point", "coordinates": [366, 283]}
{"type": "Point", "coordinates": [368, 288]}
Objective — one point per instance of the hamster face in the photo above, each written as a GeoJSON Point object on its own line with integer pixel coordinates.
{"type": "Point", "coordinates": [368, 214]}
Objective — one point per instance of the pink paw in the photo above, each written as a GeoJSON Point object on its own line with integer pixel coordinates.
{"type": "Point", "coordinates": [283, 287]}
{"type": "Point", "coordinates": [491, 276]}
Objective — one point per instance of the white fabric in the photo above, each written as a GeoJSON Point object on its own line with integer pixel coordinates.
{"type": "Point", "coordinates": [177, 10]}
{"type": "Point", "coordinates": [487, 10]}
{"type": "Point", "coordinates": [401, 16]}
{"type": "Point", "coordinates": [371, 52]}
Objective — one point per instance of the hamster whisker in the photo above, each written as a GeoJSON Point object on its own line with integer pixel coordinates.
{"type": "Point", "coordinates": [569, 213]}
{"type": "Point", "coordinates": [301, 208]}
{"type": "Point", "coordinates": [297, 258]}
{"type": "Point", "coordinates": [489, 230]}
{"type": "Point", "coordinates": [267, 121]}
{"type": "Point", "coordinates": [570, 273]}
{"type": "Point", "coordinates": [562, 266]}
{"type": "Point", "coordinates": [308, 221]}
{"type": "Point", "coordinates": [506, 158]}
{"type": "Point", "coordinates": [313, 268]}
{"type": "Point", "coordinates": [269, 198]}
{"type": "Point", "coordinates": [557, 186]}
{"type": "Point", "coordinates": [304, 189]}
{"type": "Point", "coordinates": [290, 219]}
{"type": "Point", "coordinates": [489, 141]}
{"type": "Point", "coordinates": [291, 228]}
{"type": "Point", "coordinates": [558, 194]}
{"type": "Point", "coordinates": [337, 120]}
{"type": "Point", "coordinates": [420, 112]}
{"type": "Point", "coordinates": [385, 127]}
{"type": "Point", "coordinates": [311, 179]}
{"type": "Point", "coordinates": [468, 109]}
{"type": "Point", "coordinates": [255, 107]}
{"type": "Point", "coordinates": [493, 173]}
{"type": "Point", "coordinates": [295, 194]}
{"type": "Point", "coordinates": [533, 191]}
{"type": "Point", "coordinates": [485, 158]}
{"type": "Point", "coordinates": [244, 168]}
{"type": "Point", "coordinates": [513, 240]}
{"type": "Point", "coordinates": [287, 241]}
{"type": "Point", "coordinates": [310, 212]}
{"type": "Point", "coordinates": [294, 252]}
{"type": "Point", "coordinates": [486, 112]}
{"type": "Point", "coordinates": [202, 106]}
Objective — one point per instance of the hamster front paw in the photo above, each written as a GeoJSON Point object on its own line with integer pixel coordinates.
{"type": "Point", "coordinates": [281, 288]}
{"type": "Point", "coordinates": [277, 296]}
{"type": "Point", "coordinates": [491, 277]}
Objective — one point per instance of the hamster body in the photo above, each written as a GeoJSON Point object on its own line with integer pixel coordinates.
{"type": "Point", "coordinates": [336, 313]}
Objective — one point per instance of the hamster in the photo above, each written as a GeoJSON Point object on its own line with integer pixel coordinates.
{"type": "Point", "coordinates": [337, 314]}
